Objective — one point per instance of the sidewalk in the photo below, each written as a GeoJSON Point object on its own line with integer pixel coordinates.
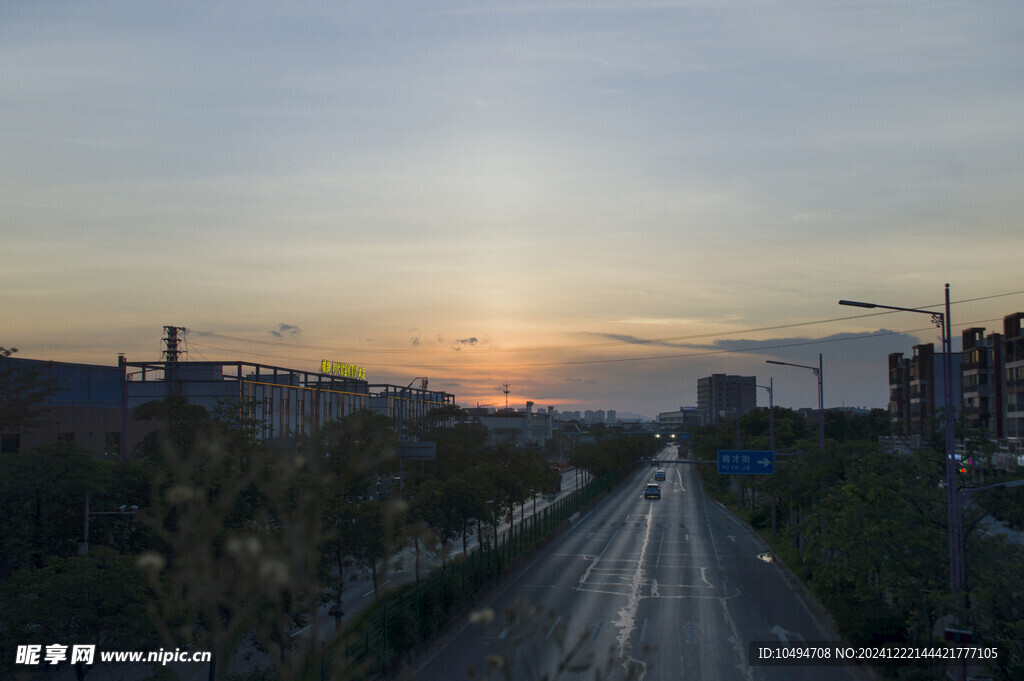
{"type": "Point", "coordinates": [358, 594]}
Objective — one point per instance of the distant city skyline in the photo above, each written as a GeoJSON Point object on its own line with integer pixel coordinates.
{"type": "Point", "coordinates": [598, 203]}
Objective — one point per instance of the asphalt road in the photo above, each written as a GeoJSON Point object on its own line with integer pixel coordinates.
{"type": "Point", "coordinates": [671, 588]}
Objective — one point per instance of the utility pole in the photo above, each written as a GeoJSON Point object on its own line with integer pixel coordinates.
{"type": "Point", "coordinates": [171, 352]}
{"type": "Point", "coordinates": [171, 355]}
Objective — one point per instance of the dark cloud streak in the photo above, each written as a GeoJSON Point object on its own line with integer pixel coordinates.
{"type": "Point", "coordinates": [856, 346]}
{"type": "Point", "coordinates": [286, 330]}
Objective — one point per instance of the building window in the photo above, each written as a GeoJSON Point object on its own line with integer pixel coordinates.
{"type": "Point", "coordinates": [10, 444]}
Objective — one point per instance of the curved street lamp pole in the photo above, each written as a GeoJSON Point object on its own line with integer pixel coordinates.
{"type": "Point", "coordinates": [821, 406]}
{"type": "Point", "coordinates": [957, 572]}
{"type": "Point", "coordinates": [771, 414]}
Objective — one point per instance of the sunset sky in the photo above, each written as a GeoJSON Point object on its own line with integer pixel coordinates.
{"type": "Point", "coordinates": [596, 203]}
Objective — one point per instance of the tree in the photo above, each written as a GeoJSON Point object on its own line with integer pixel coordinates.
{"type": "Point", "coordinates": [97, 599]}
{"type": "Point", "coordinates": [997, 596]}
{"type": "Point", "coordinates": [346, 454]}
{"type": "Point", "coordinates": [23, 394]}
{"type": "Point", "coordinates": [499, 487]}
{"type": "Point", "coordinates": [459, 448]}
{"type": "Point", "coordinates": [435, 419]}
{"type": "Point", "coordinates": [370, 539]}
{"type": "Point", "coordinates": [431, 507]}
{"type": "Point", "coordinates": [181, 425]}
{"type": "Point", "coordinates": [42, 503]}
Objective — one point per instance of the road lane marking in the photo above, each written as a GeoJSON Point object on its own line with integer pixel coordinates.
{"type": "Point", "coordinates": [786, 636]}
{"type": "Point", "coordinates": [661, 546]}
{"type": "Point", "coordinates": [378, 587]}
{"type": "Point", "coordinates": [553, 626]}
{"type": "Point", "coordinates": [627, 615]}
{"type": "Point", "coordinates": [597, 559]}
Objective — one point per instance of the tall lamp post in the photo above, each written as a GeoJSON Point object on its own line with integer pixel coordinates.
{"type": "Point", "coordinates": [957, 573]}
{"type": "Point", "coordinates": [821, 406]}
{"type": "Point", "coordinates": [125, 510]}
{"type": "Point", "coordinates": [771, 434]}
{"type": "Point", "coordinates": [771, 414]}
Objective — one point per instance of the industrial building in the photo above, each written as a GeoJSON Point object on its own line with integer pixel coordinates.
{"type": "Point", "coordinates": [516, 427]}
{"type": "Point", "coordinates": [684, 417]}
{"type": "Point", "coordinates": [92, 405]}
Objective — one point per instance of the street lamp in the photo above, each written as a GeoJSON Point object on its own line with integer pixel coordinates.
{"type": "Point", "coordinates": [821, 406]}
{"type": "Point", "coordinates": [771, 414]}
{"type": "Point", "coordinates": [957, 574]}
{"type": "Point", "coordinates": [124, 510]}
{"type": "Point", "coordinates": [771, 434]}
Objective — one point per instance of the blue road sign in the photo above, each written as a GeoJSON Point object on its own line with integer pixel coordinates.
{"type": "Point", "coordinates": [746, 462]}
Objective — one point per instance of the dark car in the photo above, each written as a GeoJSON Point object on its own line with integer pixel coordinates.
{"type": "Point", "coordinates": [660, 475]}
{"type": "Point", "coordinates": [652, 492]}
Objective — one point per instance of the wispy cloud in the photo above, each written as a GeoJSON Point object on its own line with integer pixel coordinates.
{"type": "Point", "coordinates": [288, 330]}
{"type": "Point", "coordinates": [665, 321]}
{"type": "Point", "coordinates": [464, 342]}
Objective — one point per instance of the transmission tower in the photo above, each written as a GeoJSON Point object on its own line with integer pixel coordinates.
{"type": "Point", "coordinates": [172, 353]}
{"type": "Point", "coordinates": [171, 339]}
{"type": "Point", "coordinates": [506, 391]}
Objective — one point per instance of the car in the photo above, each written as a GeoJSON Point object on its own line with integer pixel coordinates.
{"type": "Point", "coordinates": [659, 475]}
{"type": "Point", "coordinates": [652, 492]}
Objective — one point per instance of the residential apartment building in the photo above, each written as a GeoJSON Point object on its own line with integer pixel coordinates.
{"type": "Point", "coordinates": [917, 388]}
{"type": "Point", "coordinates": [988, 383]}
{"type": "Point", "coordinates": [1013, 372]}
{"type": "Point", "coordinates": [722, 397]}
{"type": "Point", "coordinates": [982, 380]}
{"type": "Point", "coordinates": [899, 390]}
